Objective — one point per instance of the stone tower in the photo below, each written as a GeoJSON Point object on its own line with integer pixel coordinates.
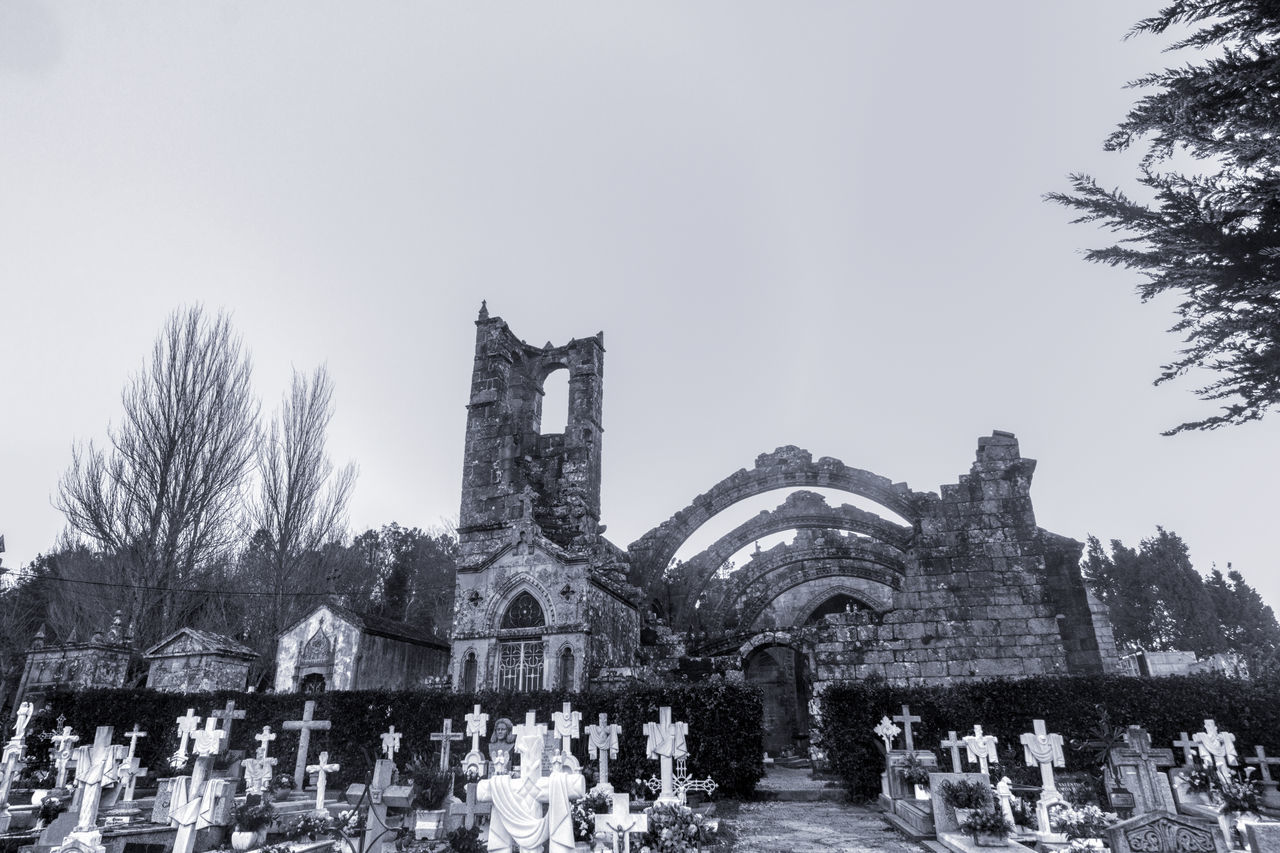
{"type": "Point", "coordinates": [540, 601]}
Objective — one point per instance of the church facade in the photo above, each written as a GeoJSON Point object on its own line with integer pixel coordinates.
{"type": "Point", "coordinates": [954, 585]}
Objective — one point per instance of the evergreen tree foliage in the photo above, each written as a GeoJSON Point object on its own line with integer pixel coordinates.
{"type": "Point", "coordinates": [1211, 237]}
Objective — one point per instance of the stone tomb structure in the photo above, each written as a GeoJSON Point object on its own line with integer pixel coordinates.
{"type": "Point", "coordinates": [191, 661]}
{"type": "Point", "coordinates": [960, 584]}
{"type": "Point", "coordinates": [101, 661]}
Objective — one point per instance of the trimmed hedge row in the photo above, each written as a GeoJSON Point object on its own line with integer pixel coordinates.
{"type": "Point", "coordinates": [725, 724]}
{"type": "Point", "coordinates": [1070, 705]}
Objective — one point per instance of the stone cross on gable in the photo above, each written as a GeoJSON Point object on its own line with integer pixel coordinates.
{"type": "Point", "coordinates": [391, 743]}
{"type": "Point", "coordinates": [264, 739]}
{"type": "Point", "coordinates": [620, 823]}
{"type": "Point", "coordinates": [566, 723]}
{"type": "Point", "coordinates": [907, 719]}
{"type": "Point", "coordinates": [187, 725]}
{"type": "Point", "coordinates": [665, 741]}
{"type": "Point", "coordinates": [1264, 764]}
{"type": "Point", "coordinates": [602, 744]}
{"type": "Point", "coordinates": [229, 713]}
{"type": "Point", "coordinates": [1218, 749]}
{"type": "Point", "coordinates": [322, 771]}
{"type": "Point", "coordinates": [473, 762]}
{"type": "Point", "coordinates": [1188, 747]}
{"type": "Point", "coordinates": [954, 742]}
{"type": "Point", "coordinates": [62, 753]}
{"type": "Point", "coordinates": [445, 736]}
{"type": "Point", "coordinates": [981, 748]}
{"type": "Point", "coordinates": [887, 732]}
{"type": "Point", "coordinates": [304, 727]}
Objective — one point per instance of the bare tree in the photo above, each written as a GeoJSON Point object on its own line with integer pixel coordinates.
{"type": "Point", "coordinates": [164, 497]}
{"type": "Point", "coordinates": [301, 500]}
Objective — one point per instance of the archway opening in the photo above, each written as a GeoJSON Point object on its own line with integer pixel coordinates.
{"type": "Point", "coordinates": [311, 684]}
{"type": "Point", "coordinates": [555, 403]}
{"type": "Point", "coordinates": [781, 673]}
{"type": "Point", "coordinates": [838, 603]}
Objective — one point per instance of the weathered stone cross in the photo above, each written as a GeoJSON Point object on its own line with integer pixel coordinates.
{"type": "Point", "coordinates": [530, 754]}
{"type": "Point", "coordinates": [1045, 750]}
{"type": "Point", "coordinates": [445, 736]}
{"type": "Point", "coordinates": [665, 741]}
{"type": "Point", "coordinates": [391, 743]}
{"type": "Point", "coordinates": [887, 732]}
{"type": "Point", "coordinates": [257, 770]}
{"type": "Point", "coordinates": [322, 771]}
{"type": "Point", "coordinates": [602, 744]}
{"type": "Point", "coordinates": [981, 748]}
{"type": "Point", "coordinates": [132, 765]}
{"type": "Point", "coordinates": [566, 722]}
{"type": "Point", "coordinates": [477, 726]}
{"type": "Point", "coordinates": [907, 719]}
{"type": "Point", "coordinates": [1264, 764]}
{"type": "Point", "coordinates": [304, 727]}
{"type": "Point", "coordinates": [62, 752]}
{"type": "Point", "coordinates": [13, 752]}
{"type": "Point", "coordinates": [264, 739]}
{"type": "Point", "coordinates": [1188, 747]}
{"type": "Point", "coordinates": [229, 713]}
{"type": "Point", "coordinates": [208, 743]}
{"type": "Point", "coordinates": [186, 726]}
{"type": "Point", "coordinates": [954, 742]}
{"type": "Point", "coordinates": [93, 761]}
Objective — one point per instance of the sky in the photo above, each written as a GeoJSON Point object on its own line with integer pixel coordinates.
{"type": "Point", "coordinates": [811, 223]}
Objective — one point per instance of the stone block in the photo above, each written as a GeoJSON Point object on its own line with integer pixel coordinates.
{"type": "Point", "coordinates": [1263, 837]}
{"type": "Point", "coordinates": [1161, 832]}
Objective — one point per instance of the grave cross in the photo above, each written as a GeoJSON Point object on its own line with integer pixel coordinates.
{"type": "Point", "coordinates": [471, 807]}
{"type": "Point", "coordinates": [264, 739]}
{"type": "Point", "coordinates": [665, 741]}
{"type": "Point", "coordinates": [887, 732]}
{"type": "Point", "coordinates": [186, 726]}
{"type": "Point", "coordinates": [1045, 750]}
{"type": "Point", "coordinates": [602, 744]}
{"type": "Point", "coordinates": [477, 725]}
{"type": "Point", "coordinates": [391, 743]}
{"type": "Point", "coordinates": [981, 748]}
{"type": "Point", "coordinates": [1264, 763]}
{"type": "Point", "coordinates": [954, 742]}
{"type": "Point", "coordinates": [620, 823]}
{"type": "Point", "coordinates": [446, 735]}
{"type": "Point", "coordinates": [208, 743]}
{"type": "Point", "coordinates": [131, 768]}
{"type": "Point", "coordinates": [13, 752]}
{"type": "Point", "coordinates": [1217, 748]}
{"type": "Point", "coordinates": [1188, 747]}
{"type": "Point", "coordinates": [304, 727]}
{"type": "Point", "coordinates": [133, 739]}
{"type": "Point", "coordinates": [322, 771]}
{"type": "Point", "coordinates": [92, 760]}
{"type": "Point", "coordinates": [530, 743]}
{"type": "Point", "coordinates": [566, 722]}
{"type": "Point", "coordinates": [907, 719]}
{"type": "Point", "coordinates": [229, 713]}
{"type": "Point", "coordinates": [62, 752]}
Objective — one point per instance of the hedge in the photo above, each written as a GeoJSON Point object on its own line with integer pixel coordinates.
{"type": "Point", "coordinates": [725, 724]}
{"type": "Point", "coordinates": [1070, 705]}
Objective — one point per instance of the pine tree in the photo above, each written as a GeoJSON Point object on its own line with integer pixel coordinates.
{"type": "Point", "coordinates": [1211, 238]}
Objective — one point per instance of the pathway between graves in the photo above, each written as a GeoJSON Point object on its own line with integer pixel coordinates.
{"type": "Point", "coordinates": [815, 827]}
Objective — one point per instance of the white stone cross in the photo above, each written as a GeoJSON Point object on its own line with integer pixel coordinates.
{"type": "Point", "coordinates": [907, 719]}
{"type": "Point", "coordinates": [391, 743]}
{"type": "Point", "coordinates": [530, 726]}
{"type": "Point", "coordinates": [477, 727]}
{"type": "Point", "coordinates": [304, 727]}
{"type": "Point", "coordinates": [1004, 796]}
{"type": "Point", "coordinates": [445, 736]}
{"type": "Point", "coordinates": [530, 743]}
{"type": "Point", "coordinates": [954, 742]}
{"type": "Point", "coordinates": [322, 771]}
{"type": "Point", "coordinates": [665, 741]}
{"type": "Point", "coordinates": [207, 744]}
{"type": "Point", "coordinates": [620, 823]}
{"type": "Point", "coordinates": [62, 752]}
{"type": "Point", "coordinates": [887, 732]}
{"type": "Point", "coordinates": [91, 766]}
{"type": "Point", "coordinates": [1188, 747]}
{"type": "Point", "coordinates": [602, 744]}
{"type": "Point", "coordinates": [186, 727]}
{"type": "Point", "coordinates": [13, 751]}
{"type": "Point", "coordinates": [229, 713]}
{"type": "Point", "coordinates": [1044, 749]}
{"type": "Point", "coordinates": [264, 739]}
{"type": "Point", "coordinates": [1217, 749]}
{"type": "Point", "coordinates": [981, 748]}
{"type": "Point", "coordinates": [131, 768]}
{"type": "Point", "coordinates": [133, 739]}
{"type": "Point", "coordinates": [566, 722]}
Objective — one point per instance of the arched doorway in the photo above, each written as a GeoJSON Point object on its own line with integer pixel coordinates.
{"type": "Point", "coordinates": [781, 673]}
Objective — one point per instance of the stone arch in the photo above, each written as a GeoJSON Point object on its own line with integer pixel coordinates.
{"type": "Point", "coordinates": [782, 669]}
{"type": "Point", "coordinates": [786, 467]}
{"type": "Point", "coordinates": [818, 599]}
{"type": "Point", "coordinates": [801, 510]}
{"type": "Point", "coordinates": [773, 585]}
{"type": "Point", "coordinates": [509, 590]}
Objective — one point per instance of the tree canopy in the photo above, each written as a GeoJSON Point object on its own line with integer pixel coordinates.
{"type": "Point", "coordinates": [1211, 235]}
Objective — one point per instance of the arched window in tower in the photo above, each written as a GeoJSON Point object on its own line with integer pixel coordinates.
{"type": "Point", "coordinates": [566, 669]}
{"type": "Point", "coordinates": [524, 612]}
{"type": "Point", "coordinates": [469, 673]}
{"type": "Point", "coordinates": [555, 403]}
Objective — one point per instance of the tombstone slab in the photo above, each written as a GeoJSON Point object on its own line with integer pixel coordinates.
{"type": "Point", "coordinates": [1137, 766]}
{"type": "Point", "coordinates": [1263, 837]}
{"type": "Point", "coordinates": [1160, 832]}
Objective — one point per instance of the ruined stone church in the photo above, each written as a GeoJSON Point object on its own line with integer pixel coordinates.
{"type": "Point", "coordinates": [964, 585]}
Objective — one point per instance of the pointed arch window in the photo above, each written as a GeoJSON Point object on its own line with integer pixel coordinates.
{"type": "Point", "coordinates": [524, 612]}
{"type": "Point", "coordinates": [566, 668]}
{"type": "Point", "coordinates": [469, 673]}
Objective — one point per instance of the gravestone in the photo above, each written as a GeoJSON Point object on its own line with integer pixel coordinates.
{"type": "Point", "coordinates": [304, 727]}
{"type": "Point", "coordinates": [1137, 767]}
{"type": "Point", "coordinates": [383, 796]}
{"type": "Point", "coordinates": [602, 745]}
{"type": "Point", "coordinates": [981, 749]}
{"type": "Point", "coordinates": [1270, 793]}
{"type": "Point", "coordinates": [1263, 837]}
{"type": "Point", "coordinates": [1160, 832]}
{"type": "Point", "coordinates": [1044, 750]}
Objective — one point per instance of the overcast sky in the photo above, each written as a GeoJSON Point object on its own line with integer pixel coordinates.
{"type": "Point", "coordinates": [796, 223]}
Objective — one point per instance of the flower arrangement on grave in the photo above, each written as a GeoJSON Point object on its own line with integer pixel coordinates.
{"type": "Point", "coordinates": [963, 794]}
{"type": "Point", "coordinates": [251, 818]}
{"type": "Point", "coordinates": [350, 822]}
{"type": "Point", "coordinates": [913, 772]}
{"type": "Point", "coordinates": [431, 786]}
{"type": "Point", "coordinates": [54, 803]}
{"type": "Point", "coordinates": [1086, 845]}
{"type": "Point", "coordinates": [463, 840]}
{"type": "Point", "coordinates": [674, 828]}
{"type": "Point", "coordinates": [282, 782]}
{"type": "Point", "coordinates": [1239, 793]}
{"type": "Point", "coordinates": [1083, 822]}
{"type": "Point", "coordinates": [308, 826]}
{"type": "Point", "coordinates": [1024, 812]}
{"type": "Point", "coordinates": [1198, 777]}
{"type": "Point", "coordinates": [583, 813]}
{"type": "Point", "coordinates": [986, 821]}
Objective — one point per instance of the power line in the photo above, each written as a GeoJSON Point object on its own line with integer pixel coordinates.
{"type": "Point", "coordinates": [61, 579]}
